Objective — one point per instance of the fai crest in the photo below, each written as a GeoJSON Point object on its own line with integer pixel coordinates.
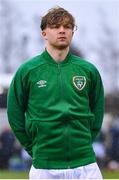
{"type": "Point", "coordinates": [79, 82]}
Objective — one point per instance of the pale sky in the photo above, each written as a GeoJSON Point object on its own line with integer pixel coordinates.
{"type": "Point", "coordinates": [86, 13]}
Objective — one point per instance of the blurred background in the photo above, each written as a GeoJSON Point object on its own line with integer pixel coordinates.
{"type": "Point", "coordinates": [96, 39]}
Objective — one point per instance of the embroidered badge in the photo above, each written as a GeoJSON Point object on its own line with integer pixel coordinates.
{"type": "Point", "coordinates": [79, 82]}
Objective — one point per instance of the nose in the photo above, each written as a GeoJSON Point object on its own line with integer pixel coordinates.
{"type": "Point", "coordinates": [61, 29]}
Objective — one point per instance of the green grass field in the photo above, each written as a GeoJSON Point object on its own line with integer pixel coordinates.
{"type": "Point", "coordinates": [24, 175]}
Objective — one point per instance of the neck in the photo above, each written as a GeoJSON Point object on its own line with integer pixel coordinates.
{"type": "Point", "coordinates": [58, 54]}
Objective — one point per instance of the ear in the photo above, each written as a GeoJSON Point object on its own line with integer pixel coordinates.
{"type": "Point", "coordinates": [44, 35]}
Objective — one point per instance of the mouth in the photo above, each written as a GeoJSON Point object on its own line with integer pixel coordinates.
{"type": "Point", "coordinates": [62, 38]}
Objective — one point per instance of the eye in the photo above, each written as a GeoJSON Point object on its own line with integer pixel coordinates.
{"type": "Point", "coordinates": [68, 26]}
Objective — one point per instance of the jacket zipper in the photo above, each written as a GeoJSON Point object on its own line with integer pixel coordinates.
{"type": "Point", "coordinates": [66, 131]}
{"type": "Point", "coordinates": [60, 81]}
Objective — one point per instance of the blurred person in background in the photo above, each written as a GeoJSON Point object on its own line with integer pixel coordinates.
{"type": "Point", "coordinates": [7, 141]}
{"type": "Point", "coordinates": [113, 148]}
{"type": "Point", "coordinates": [100, 149]}
{"type": "Point", "coordinates": [56, 105]}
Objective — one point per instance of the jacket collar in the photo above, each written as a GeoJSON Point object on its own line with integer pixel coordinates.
{"type": "Point", "coordinates": [49, 59]}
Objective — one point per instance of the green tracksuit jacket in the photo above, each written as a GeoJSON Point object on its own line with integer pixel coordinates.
{"type": "Point", "coordinates": [56, 110]}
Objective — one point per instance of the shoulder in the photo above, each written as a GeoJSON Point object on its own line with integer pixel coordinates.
{"type": "Point", "coordinates": [29, 65]}
{"type": "Point", "coordinates": [32, 63]}
{"type": "Point", "coordinates": [84, 64]}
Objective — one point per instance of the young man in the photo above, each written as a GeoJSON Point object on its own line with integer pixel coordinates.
{"type": "Point", "coordinates": [56, 105]}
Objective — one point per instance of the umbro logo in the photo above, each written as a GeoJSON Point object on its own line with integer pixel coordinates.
{"type": "Point", "coordinates": [41, 83]}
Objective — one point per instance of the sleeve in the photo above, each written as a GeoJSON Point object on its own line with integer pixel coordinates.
{"type": "Point", "coordinates": [96, 98]}
{"type": "Point", "coordinates": [16, 107]}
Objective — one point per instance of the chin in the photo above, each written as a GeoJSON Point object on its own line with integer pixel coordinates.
{"type": "Point", "coordinates": [63, 46]}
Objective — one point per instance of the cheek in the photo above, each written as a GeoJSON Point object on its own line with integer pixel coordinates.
{"type": "Point", "coordinates": [70, 37]}
{"type": "Point", "coordinates": [51, 36]}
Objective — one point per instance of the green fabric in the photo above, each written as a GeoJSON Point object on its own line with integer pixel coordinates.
{"type": "Point", "coordinates": [56, 110]}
